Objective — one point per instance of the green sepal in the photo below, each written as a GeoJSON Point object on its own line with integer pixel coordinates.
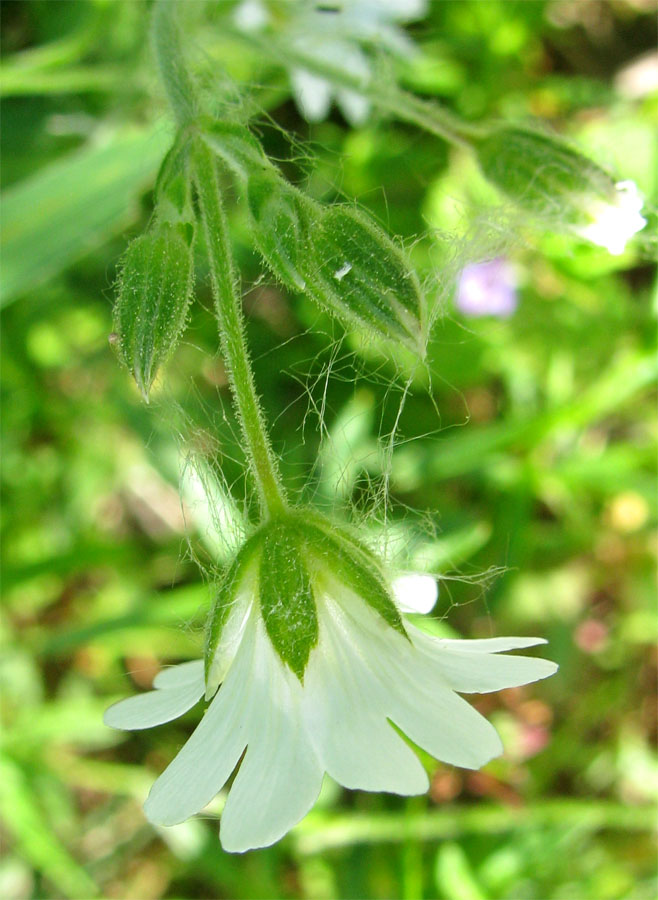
{"type": "Point", "coordinates": [226, 596]}
{"type": "Point", "coordinates": [280, 226]}
{"type": "Point", "coordinates": [334, 550]}
{"type": "Point", "coordinates": [357, 272]}
{"type": "Point", "coordinates": [286, 597]}
{"type": "Point", "coordinates": [155, 288]}
{"type": "Point", "coordinates": [172, 191]}
{"type": "Point", "coordinates": [542, 173]}
{"type": "Point", "coordinates": [235, 145]}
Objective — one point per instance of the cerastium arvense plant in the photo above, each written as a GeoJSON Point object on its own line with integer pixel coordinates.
{"type": "Point", "coordinates": [308, 656]}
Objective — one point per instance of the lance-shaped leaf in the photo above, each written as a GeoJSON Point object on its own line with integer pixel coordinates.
{"type": "Point", "coordinates": [286, 597]}
{"type": "Point", "coordinates": [155, 288]}
{"type": "Point", "coordinates": [356, 271]}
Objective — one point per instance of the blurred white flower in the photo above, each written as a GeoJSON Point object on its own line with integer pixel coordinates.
{"type": "Point", "coordinates": [334, 34]}
{"type": "Point", "coordinates": [415, 593]}
{"type": "Point", "coordinates": [614, 223]}
{"type": "Point", "coordinates": [361, 675]}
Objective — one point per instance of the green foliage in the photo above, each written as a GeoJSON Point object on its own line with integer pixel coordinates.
{"type": "Point", "coordinates": [59, 214]}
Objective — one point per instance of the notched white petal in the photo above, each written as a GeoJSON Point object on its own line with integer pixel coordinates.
{"type": "Point", "coordinates": [280, 777]}
{"type": "Point", "coordinates": [313, 94]}
{"type": "Point", "coordinates": [204, 764]}
{"type": "Point", "coordinates": [485, 645]}
{"type": "Point", "coordinates": [485, 673]}
{"type": "Point", "coordinates": [345, 714]}
{"type": "Point", "coordinates": [445, 725]}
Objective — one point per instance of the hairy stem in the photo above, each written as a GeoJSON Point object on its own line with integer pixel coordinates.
{"type": "Point", "coordinates": [425, 114]}
{"type": "Point", "coordinates": [262, 461]}
{"type": "Point", "coordinates": [171, 64]}
{"type": "Point", "coordinates": [181, 95]}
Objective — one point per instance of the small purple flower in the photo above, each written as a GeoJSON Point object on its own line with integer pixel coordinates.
{"type": "Point", "coordinates": [488, 289]}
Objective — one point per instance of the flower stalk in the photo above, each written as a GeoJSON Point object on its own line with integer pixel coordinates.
{"type": "Point", "coordinates": [180, 92]}
{"type": "Point", "coordinates": [171, 65]}
{"type": "Point", "coordinates": [405, 106]}
{"type": "Point", "coordinates": [262, 461]}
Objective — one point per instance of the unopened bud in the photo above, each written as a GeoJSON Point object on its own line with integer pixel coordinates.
{"type": "Point", "coordinates": [551, 179]}
{"type": "Point", "coordinates": [155, 288]}
{"type": "Point", "coordinates": [356, 271]}
{"type": "Point", "coordinates": [281, 226]}
{"type": "Point", "coordinates": [340, 258]}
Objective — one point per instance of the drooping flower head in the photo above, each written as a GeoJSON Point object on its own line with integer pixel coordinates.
{"type": "Point", "coordinates": [308, 660]}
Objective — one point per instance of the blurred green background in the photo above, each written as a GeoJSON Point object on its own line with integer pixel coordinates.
{"type": "Point", "coordinates": [528, 457]}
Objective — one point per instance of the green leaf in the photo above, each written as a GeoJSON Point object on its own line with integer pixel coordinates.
{"type": "Point", "coordinates": [60, 213]}
{"type": "Point", "coordinates": [286, 597]}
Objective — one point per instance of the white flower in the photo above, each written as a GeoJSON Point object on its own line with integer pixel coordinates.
{"type": "Point", "coordinates": [415, 593]}
{"type": "Point", "coordinates": [614, 223]}
{"type": "Point", "coordinates": [360, 674]}
{"type": "Point", "coordinates": [334, 34]}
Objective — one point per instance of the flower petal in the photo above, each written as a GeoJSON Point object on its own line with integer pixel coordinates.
{"type": "Point", "coordinates": [312, 93]}
{"type": "Point", "coordinates": [415, 592]}
{"type": "Point", "coordinates": [355, 107]}
{"type": "Point", "coordinates": [177, 676]}
{"type": "Point", "coordinates": [470, 672]}
{"type": "Point", "coordinates": [489, 645]}
{"type": "Point", "coordinates": [420, 702]}
{"type": "Point", "coordinates": [442, 723]}
{"type": "Point", "coordinates": [347, 722]}
{"type": "Point", "coordinates": [202, 767]}
{"type": "Point", "coordinates": [153, 707]}
{"type": "Point", "coordinates": [280, 777]}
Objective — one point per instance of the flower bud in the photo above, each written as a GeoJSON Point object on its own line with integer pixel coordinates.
{"type": "Point", "coordinates": [548, 177]}
{"type": "Point", "coordinates": [340, 258]}
{"type": "Point", "coordinates": [336, 254]}
{"type": "Point", "coordinates": [281, 218]}
{"type": "Point", "coordinates": [357, 272]}
{"type": "Point", "coordinates": [155, 288]}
